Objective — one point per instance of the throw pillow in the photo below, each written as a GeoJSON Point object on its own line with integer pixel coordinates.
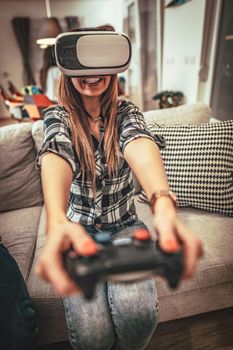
{"type": "Point", "coordinates": [199, 164]}
{"type": "Point", "coordinates": [197, 113]}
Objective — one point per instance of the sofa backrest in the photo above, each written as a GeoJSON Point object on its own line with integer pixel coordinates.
{"type": "Point", "coordinates": [20, 185]}
{"type": "Point", "coordinates": [38, 134]}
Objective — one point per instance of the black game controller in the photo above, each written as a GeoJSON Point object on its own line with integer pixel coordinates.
{"type": "Point", "coordinates": [137, 259]}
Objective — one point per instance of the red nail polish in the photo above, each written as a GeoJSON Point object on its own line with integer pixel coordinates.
{"type": "Point", "coordinates": [89, 248]}
{"type": "Point", "coordinates": [172, 245]}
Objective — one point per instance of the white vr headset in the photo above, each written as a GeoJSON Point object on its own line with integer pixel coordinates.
{"type": "Point", "coordinates": [92, 53]}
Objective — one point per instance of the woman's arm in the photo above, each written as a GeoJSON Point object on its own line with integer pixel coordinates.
{"type": "Point", "coordinates": [56, 176]}
{"type": "Point", "coordinates": [144, 159]}
{"type": "Point", "coordinates": [61, 233]}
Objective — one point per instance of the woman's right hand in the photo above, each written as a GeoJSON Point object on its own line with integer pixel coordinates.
{"type": "Point", "coordinates": [50, 265]}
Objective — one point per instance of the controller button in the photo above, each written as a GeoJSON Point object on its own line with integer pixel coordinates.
{"type": "Point", "coordinates": [89, 248]}
{"type": "Point", "coordinates": [141, 235]}
{"type": "Point", "coordinates": [103, 237]}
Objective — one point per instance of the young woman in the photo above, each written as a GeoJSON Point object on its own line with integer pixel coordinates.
{"type": "Point", "coordinates": [92, 145]}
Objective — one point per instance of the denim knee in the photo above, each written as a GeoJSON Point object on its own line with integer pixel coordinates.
{"type": "Point", "coordinates": [134, 309]}
{"type": "Point", "coordinates": [89, 322]}
{"type": "Point", "coordinates": [88, 338]}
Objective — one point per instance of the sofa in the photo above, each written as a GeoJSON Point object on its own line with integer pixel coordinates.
{"type": "Point", "coordinates": [22, 227]}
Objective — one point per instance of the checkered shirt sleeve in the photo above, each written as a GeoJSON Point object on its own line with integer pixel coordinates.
{"type": "Point", "coordinates": [132, 126]}
{"type": "Point", "coordinates": [57, 138]}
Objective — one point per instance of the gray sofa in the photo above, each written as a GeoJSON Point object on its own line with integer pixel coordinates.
{"type": "Point", "coordinates": [22, 227]}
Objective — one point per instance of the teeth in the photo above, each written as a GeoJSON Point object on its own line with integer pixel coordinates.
{"type": "Point", "coordinates": [91, 80]}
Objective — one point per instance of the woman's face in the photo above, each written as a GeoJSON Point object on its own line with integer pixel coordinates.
{"type": "Point", "coordinates": [92, 86]}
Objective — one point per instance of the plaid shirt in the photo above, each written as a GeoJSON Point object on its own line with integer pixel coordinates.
{"type": "Point", "coordinates": [114, 203]}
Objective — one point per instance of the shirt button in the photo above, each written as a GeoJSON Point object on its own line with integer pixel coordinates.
{"type": "Point", "coordinates": [98, 182]}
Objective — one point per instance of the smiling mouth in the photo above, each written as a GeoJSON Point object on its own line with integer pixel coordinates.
{"type": "Point", "coordinates": [92, 80]}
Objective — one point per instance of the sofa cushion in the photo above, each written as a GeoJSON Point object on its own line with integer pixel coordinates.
{"type": "Point", "coordinates": [19, 180]}
{"type": "Point", "coordinates": [197, 113]}
{"type": "Point", "coordinates": [199, 164]}
{"type": "Point", "coordinates": [47, 303]}
{"type": "Point", "coordinates": [211, 287]}
{"type": "Point", "coordinates": [18, 229]}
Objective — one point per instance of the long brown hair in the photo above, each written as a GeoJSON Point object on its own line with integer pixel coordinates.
{"type": "Point", "coordinates": [70, 98]}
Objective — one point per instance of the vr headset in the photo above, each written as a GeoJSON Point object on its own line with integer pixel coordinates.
{"type": "Point", "coordinates": [92, 53]}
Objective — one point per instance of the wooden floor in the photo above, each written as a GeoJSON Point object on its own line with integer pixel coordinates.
{"type": "Point", "coordinates": [211, 331]}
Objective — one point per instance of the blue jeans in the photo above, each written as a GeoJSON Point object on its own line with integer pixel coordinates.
{"type": "Point", "coordinates": [121, 316]}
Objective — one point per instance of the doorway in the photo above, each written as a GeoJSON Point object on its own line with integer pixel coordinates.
{"type": "Point", "coordinates": [222, 91]}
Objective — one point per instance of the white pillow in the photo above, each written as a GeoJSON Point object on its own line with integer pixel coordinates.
{"type": "Point", "coordinates": [197, 113]}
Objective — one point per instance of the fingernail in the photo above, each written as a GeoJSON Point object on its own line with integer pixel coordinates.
{"type": "Point", "coordinates": [89, 248]}
{"type": "Point", "coordinates": [172, 245]}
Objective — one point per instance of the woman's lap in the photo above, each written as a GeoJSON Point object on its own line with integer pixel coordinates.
{"type": "Point", "coordinates": [123, 314]}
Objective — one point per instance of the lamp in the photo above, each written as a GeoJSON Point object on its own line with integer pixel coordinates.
{"type": "Point", "coordinates": [50, 28]}
{"type": "Point", "coordinates": [229, 37]}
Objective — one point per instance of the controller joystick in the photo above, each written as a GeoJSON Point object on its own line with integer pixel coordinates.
{"type": "Point", "coordinates": [141, 258]}
{"type": "Point", "coordinates": [103, 237]}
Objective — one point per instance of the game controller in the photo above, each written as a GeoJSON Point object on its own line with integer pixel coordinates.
{"type": "Point", "coordinates": [139, 258]}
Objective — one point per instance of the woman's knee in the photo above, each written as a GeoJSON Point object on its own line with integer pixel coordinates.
{"type": "Point", "coordinates": [134, 298]}
{"type": "Point", "coordinates": [92, 339]}
{"type": "Point", "coordinates": [134, 310]}
{"type": "Point", "coordinates": [89, 323]}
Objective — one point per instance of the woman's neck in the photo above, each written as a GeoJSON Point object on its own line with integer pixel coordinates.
{"type": "Point", "coordinates": [92, 105]}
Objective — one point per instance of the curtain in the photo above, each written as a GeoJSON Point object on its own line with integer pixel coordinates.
{"type": "Point", "coordinates": [210, 10]}
{"type": "Point", "coordinates": [21, 27]}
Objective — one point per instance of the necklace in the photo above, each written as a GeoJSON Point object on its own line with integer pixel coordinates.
{"type": "Point", "coordinates": [94, 120]}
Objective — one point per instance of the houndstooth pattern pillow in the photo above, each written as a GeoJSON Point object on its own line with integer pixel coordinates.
{"type": "Point", "coordinates": [199, 163]}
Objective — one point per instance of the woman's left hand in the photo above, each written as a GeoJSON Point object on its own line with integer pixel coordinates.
{"type": "Point", "coordinates": [172, 234]}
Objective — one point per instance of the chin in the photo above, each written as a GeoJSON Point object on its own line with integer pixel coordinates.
{"type": "Point", "coordinates": [94, 93]}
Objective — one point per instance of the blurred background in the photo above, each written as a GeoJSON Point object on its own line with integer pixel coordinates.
{"type": "Point", "coordinates": [183, 46]}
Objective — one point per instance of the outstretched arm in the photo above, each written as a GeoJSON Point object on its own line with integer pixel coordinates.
{"type": "Point", "coordinates": [143, 157]}
{"type": "Point", "coordinates": [61, 233]}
